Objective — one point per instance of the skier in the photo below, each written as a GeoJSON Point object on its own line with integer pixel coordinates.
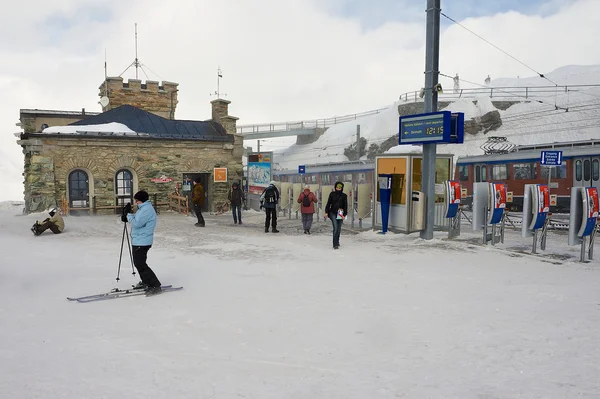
{"type": "Point", "coordinates": [307, 198]}
{"type": "Point", "coordinates": [337, 209]}
{"type": "Point", "coordinates": [55, 223]}
{"type": "Point", "coordinates": [143, 223]}
{"type": "Point", "coordinates": [268, 200]}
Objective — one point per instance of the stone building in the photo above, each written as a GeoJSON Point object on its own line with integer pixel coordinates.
{"type": "Point", "coordinates": [97, 161]}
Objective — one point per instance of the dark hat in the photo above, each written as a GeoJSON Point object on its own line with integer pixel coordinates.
{"type": "Point", "coordinates": [197, 180]}
{"type": "Point", "coordinates": [141, 196]}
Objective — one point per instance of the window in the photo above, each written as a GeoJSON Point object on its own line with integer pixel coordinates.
{"type": "Point", "coordinates": [586, 170]}
{"type": "Point", "coordinates": [325, 179]}
{"type": "Point", "coordinates": [578, 174]}
{"type": "Point", "coordinates": [558, 172]}
{"type": "Point", "coordinates": [499, 172]}
{"type": "Point", "coordinates": [463, 173]}
{"type": "Point", "coordinates": [525, 171]}
{"type": "Point", "coordinates": [595, 170]}
{"type": "Point", "coordinates": [348, 177]}
{"type": "Point", "coordinates": [123, 188]}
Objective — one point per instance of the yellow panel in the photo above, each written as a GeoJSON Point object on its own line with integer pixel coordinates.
{"type": "Point", "coordinates": [364, 200]}
{"type": "Point", "coordinates": [325, 191]}
{"type": "Point", "coordinates": [396, 167]}
{"type": "Point", "coordinates": [285, 195]}
{"type": "Point", "coordinates": [297, 189]}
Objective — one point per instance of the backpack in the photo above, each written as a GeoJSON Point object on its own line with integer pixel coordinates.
{"type": "Point", "coordinates": [270, 196]}
{"type": "Point", "coordinates": [306, 201]}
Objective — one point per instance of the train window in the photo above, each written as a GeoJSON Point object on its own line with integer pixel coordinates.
{"type": "Point", "coordinates": [362, 178]}
{"type": "Point", "coordinates": [595, 170]}
{"type": "Point", "coordinates": [558, 172]}
{"type": "Point", "coordinates": [525, 171]}
{"type": "Point", "coordinates": [578, 170]}
{"type": "Point", "coordinates": [586, 170]}
{"type": "Point", "coordinates": [463, 173]}
{"type": "Point", "coordinates": [325, 179]}
{"type": "Point", "coordinates": [348, 177]}
{"type": "Point", "coordinates": [499, 172]}
{"type": "Point", "coordinates": [480, 173]}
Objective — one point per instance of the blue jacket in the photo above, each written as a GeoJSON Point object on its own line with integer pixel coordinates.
{"type": "Point", "coordinates": [143, 223]}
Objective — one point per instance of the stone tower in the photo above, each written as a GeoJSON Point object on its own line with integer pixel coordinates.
{"type": "Point", "coordinates": [220, 113]}
{"type": "Point", "coordinates": [150, 96]}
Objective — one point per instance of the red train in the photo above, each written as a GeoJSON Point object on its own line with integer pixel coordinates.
{"type": "Point", "coordinates": [580, 168]}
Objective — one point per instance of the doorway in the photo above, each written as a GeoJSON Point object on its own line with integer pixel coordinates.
{"type": "Point", "coordinates": [188, 180]}
{"type": "Point", "coordinates": [79, 193]}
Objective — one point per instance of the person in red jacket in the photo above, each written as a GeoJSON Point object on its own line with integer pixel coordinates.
{"type": "Point", "coordinates": [308, 199]}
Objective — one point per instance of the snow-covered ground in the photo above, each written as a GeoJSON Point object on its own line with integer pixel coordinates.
{"type": "Point", "coordinates": [285, 316]}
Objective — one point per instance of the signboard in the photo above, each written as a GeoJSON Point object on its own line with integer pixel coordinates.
{"type": "Point", "coordinates": [541, 205]}
{"type": "Point", "coordinates": [162, 179]}
{"type": "Point", "coordinates": [301, 169]}
{"type": "Point", "coordinates": [551, 158]}
{"type": "Point", "coordinates": [220, 175]}
{"type": "Point", "coordinates": [259, 171]}
{"type": "Point", "coordinates": [434, 127]}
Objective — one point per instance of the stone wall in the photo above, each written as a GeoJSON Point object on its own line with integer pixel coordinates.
{"type": "Point", "coordinates": [161, 100]}
{"type": "Point", "coordinates": [47, 170]}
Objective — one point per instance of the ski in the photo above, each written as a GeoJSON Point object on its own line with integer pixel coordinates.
{"type": "Point", "coordinates": [114, 291]}
{"type": "Point", "coordinates": [124, 294]}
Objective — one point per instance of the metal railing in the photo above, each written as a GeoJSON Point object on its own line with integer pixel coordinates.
{"type": "Point", "coordinates": [495, 93]}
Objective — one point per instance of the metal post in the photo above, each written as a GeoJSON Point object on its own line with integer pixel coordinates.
{"type": "Point", "coordinates": [258, 141]}
{"type": "Point", "coordinates": [432, 50]}
{"type": "Point", "coordinates": [591, 246]}
{"type": "Point", "coordinates": [535, 240]}
{"type": "Point", "coordinates": [582, 254]}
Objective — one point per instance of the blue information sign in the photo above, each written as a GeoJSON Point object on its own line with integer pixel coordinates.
{"type": "Point", "coordinates": [301, 169]}
{"type": "Point", "coordinates": [551, 158]}
{"type": "Point", "coordinates": [435, 127]}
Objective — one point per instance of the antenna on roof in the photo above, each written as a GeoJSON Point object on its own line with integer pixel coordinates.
{"type": "Point", "coordinates": [136, 62]}
{"type": "Point", "coordinates": [104, 99]}
{"type": "Point", "coordinates": [219, 77]}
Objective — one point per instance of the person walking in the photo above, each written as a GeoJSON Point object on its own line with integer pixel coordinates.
{"type": "Point", "coordinates": [143, 223]}
{"type": "Point", "coordinates": [337, 209]}
{"type": "Point", "coordinates": [269, 200]}
{"type": "Point", "coordinates": [308, 199]}
{"type": "Point", "coordinates": [236, 197]}
{"type": "Point", "coordinates": [198, 201]}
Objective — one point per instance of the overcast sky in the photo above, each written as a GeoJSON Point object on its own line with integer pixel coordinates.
{"type": "Point", "coordinates": [281, 60]}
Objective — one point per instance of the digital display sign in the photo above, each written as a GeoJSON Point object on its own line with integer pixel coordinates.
{"type": "Point", "coordinates": [435, 127]}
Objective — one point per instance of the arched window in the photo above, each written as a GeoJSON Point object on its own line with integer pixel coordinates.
{"type": "Point", "coordinates": [78, 190]}
{"type": "Point", "coordinates": [123, 188]}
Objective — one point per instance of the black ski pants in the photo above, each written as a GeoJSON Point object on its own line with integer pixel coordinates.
{"type": "Point", "coordinates": [140, 254]}
{"type": "Point", "coordinates": [271, 218]}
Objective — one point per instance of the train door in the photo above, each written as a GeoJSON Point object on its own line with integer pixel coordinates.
{"type": "Point", "coordinates": [480, 173]}
{"type": "Point", "coordinates": [586, 172]}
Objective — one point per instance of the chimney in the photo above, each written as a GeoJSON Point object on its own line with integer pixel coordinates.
{"type": "Point", "coordinates": [220, 114]}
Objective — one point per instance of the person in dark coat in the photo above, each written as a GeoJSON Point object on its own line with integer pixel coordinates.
{"type": "Point", "coordinates": [236, 197]}
{"type": "Point", "coordinates": [198, 201]}
{"type": "Point", "coordinates": [269, 200]}
{"type": "Point", "coordinates": [308, 199]}
{"type": "Point", "coordinates": [337, 209]}
{"type": "Point", "coordinates": [55, 223]}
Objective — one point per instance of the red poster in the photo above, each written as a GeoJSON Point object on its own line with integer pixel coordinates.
{"type": "Point", "coordinates": [543, 199]}
{"type": "Point", "coordinates": [499, 195]}
{"type": "Point", "coordinates": [592, 198]}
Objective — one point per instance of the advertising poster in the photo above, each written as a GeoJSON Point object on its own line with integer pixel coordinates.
{"type": "Point", "coordinates": [540, 205]}
{"type": "Point", "coordinates": [497, 202]}
{"type": "Point", "coordinates": [453, 194]}
{"type": "Point", "coordinates": [259, 176]}
{"type": "Point", "coordinates": [590, 211]}
{"type": "Point", "coordinates": [592, 200]}
{"type": "Point", "coordinates": [543, 198]}
{"type": "Point", "coordinates": [499, 190]}
{"type": "Point", "coordinates": [220, 175]}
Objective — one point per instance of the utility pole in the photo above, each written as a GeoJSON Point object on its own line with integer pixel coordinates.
{"type": "Point", "coordinates": [432, 61]}
{"type": "Point", "coordinates": [357, 142]}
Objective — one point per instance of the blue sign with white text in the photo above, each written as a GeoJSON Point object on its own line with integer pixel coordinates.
{"type": "Point", "coordinates": [434, 127]}
{"type": "Point", "coordinates": [551, 158]}
{"type": "Point", "coordinates": [301, 169]}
